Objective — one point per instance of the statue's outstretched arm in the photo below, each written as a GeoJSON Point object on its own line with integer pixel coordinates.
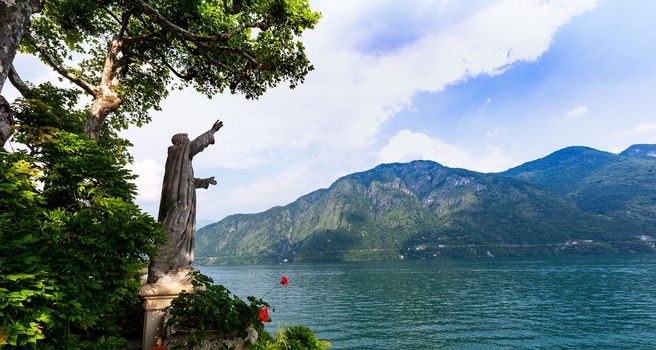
{"type": "Point", "coordinates": [204, 183]}
{"type": "Point", "coordinates": [205, 139]}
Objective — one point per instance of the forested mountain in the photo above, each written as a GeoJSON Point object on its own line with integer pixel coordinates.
{"type": "Point", "coordinates": [575, 200]}
{"type": "Point", "coordinates": [640, 151]}
{"type": "Point", "coordinates": [603, 183]}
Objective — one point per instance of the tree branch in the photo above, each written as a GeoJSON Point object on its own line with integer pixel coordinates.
{"type": "Point", "coordinates": [144, 22]}
{"type": "Point", "coordinates": [260, 24]}
{"type": "Point", "coordinates": [109, 72]}
{"type": "Point", "coordinates": [18, 83]}
{"type": "Point", "coordinates": [224, 66]}
{"type": "Point", "coordinates": [240, 52]}
{"type": "Point", "coordinates": [111, 14]}
{"type": "Point", "coordinates": [125, 20]}
{"type": "Point", "coordinates": [185, 34]}
{"type": "Point", "coordinates": [134, 39]}
{"type": "Point", "coordinates": [177, 74]}
{"type": "Point", "coordinates": [52, 62]}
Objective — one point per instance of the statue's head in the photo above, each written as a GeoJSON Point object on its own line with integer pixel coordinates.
{"type": "Point", "coordinates": [179, 139]}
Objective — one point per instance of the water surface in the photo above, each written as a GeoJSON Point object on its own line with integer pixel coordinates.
{"type": "Point", "coordinates": [588, 302]}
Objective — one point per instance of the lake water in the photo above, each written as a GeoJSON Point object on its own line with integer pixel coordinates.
{"type": "Point", "coordinates": [587, 302]}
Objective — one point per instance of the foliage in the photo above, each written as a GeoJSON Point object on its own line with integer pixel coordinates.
{"type": "Point", "coordinates": [72, 242]}
{"type": "Point", "coordinates": [291, 338]}
{"type": "Point", "coordinates": [212, 307]}
{"type": "Point", "coordinates": [26, 292]}
{"type": "Point", "coordinates": [137, 50]}
{"type": "Point", "coordinates": [603, 183]}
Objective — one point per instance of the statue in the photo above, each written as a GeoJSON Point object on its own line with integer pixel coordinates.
{"type": "Point", "coordinates": [177, 207]}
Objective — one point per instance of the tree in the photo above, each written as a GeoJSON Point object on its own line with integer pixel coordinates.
{"type": "Point", "coordinates": [129, 51]}
{"type": "Point", "coordinates": [72, 241]}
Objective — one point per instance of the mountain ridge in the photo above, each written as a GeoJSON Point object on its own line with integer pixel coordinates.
{"type": "Point", "coordinates": [423, 209]}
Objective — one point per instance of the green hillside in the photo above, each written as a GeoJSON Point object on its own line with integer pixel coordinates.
{"type": "Point", "coordinates": [417, 210]}
{"type": "Point", "coordinates": [640, 151]}
{"type": "Point", "coordinates": [621, 186]}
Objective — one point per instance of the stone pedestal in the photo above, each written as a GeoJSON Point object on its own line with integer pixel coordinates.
{"type": "Point", "coordinates": [181, 339]}
{"type": "Point", "coordinates": [156, 297]}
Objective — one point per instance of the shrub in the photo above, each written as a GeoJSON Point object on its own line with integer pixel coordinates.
{"type": "Point", "coordinates": [72, 242]}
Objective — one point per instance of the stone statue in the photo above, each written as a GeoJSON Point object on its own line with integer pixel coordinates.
{"type": "Point", "coordinates": [177, 208]}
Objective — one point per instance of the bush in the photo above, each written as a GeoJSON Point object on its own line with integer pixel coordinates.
{"type": "Point", "coordinates": [212, 308]}
{"type": "Point", "coordinates": [72, 242]}
{"type": "Point", "coordinates": [291, 338]}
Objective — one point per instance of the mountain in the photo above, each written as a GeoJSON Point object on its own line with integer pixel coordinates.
{"type": "Point", "coordinates": [640, 151]}
{"type": "Point", "coordinates": [423, 209]}
{"type": "Point", "coordinates": [620, 186]}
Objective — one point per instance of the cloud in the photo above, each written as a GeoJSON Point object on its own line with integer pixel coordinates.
{"type": "Point", "coordinates": [577, 111]}
{"type": "Point", "coordinates": [642, 128]}
{"type": "Point", "coordinates": [149, 180]}
{"type": "Point", "coordinates": [406, 146]}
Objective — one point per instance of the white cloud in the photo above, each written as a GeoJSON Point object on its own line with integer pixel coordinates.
{"type": "Point", "coordinates": [577, 111]}
{"type": "Point", "coordinates": [642, 128]}
{"type": "Point", "coordinates": [149, 180]}
{"type": "Point", "coordinates": [407, 146]}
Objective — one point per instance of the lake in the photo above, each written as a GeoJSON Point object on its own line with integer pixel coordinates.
{"type": "Point", "coordinates": [580, 302]}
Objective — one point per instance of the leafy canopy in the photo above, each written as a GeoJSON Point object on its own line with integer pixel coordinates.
{"type": "Point", "coordinates": [135, 48]}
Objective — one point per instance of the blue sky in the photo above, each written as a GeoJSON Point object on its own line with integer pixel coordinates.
{"type": "Point", "coordinates": [602, 60]}
{"type": "Point", "coordinates": [484, 85]}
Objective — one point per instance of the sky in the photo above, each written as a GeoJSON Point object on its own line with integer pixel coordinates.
{"type": "Point", "coordinates": [484, 85]}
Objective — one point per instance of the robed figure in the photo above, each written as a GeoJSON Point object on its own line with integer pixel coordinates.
{"type": "Point", "coordinates": [177, 207]}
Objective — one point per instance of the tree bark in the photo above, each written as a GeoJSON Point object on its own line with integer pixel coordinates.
{"type": "Point", "coordinates": [14, 19]}
{"type": "Point", "coordinates": [105, 98]}
{"type": "Point", "coordinates": [6, 121]}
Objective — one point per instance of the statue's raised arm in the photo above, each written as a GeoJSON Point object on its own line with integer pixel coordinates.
{"type": "Point", "coordinates": [205, 139]}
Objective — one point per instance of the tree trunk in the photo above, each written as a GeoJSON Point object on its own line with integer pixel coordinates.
{"type": "Point", "coordinates": [105, 102]}
{"type": "Point", "coordinates": [105, 99]}
{"type": "Point", "coordinates": [6, 121]}
{"type": "Point", "coordinates": [14, 19]}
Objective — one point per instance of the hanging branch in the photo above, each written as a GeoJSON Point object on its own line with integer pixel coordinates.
{"type": "Point", "coordinates": [57, 66]}
{"type": "Point", "coordinates": [18, 83]}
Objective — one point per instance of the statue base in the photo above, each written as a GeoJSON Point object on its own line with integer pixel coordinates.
{"type": "Point", "coordinates": [158, 296]}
